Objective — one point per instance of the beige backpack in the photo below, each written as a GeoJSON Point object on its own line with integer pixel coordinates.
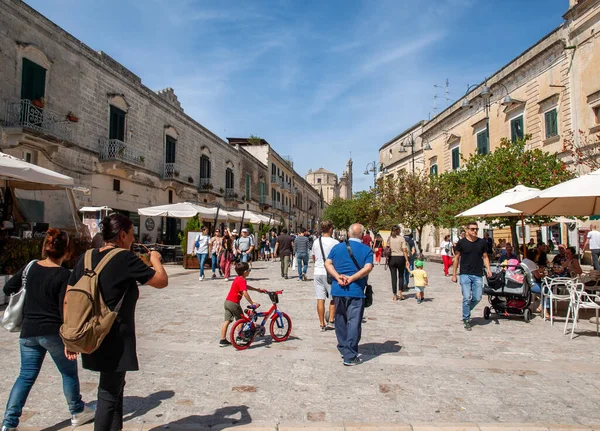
{"type": "Point", "coordinates": [86, 318]}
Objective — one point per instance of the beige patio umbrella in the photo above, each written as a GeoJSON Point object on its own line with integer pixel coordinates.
{"type": "Point", "coordinates": [577, 197]}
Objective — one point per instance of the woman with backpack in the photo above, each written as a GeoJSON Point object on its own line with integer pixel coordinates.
{"type": "Point", "coordinates": [446, 253]}
{"type": "Point", "coordinates": [118, 284]}
{"type": "Point", "coordinates": [46, 282]}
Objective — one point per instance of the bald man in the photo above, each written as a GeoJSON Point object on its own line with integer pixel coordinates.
{"type": "Point", "coordinates": [348, 290]}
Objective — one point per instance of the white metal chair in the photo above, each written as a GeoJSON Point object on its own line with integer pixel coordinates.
{"type": "Point", "coordinates": [580, 299]}
{"type": "Point", "coordinates": [552, 285]}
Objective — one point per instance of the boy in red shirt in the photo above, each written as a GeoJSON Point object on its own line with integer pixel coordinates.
{"type": "Point", "coordinates": [233, 310]}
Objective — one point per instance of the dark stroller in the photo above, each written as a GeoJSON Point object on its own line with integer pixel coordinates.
{"type": "Point", "coordinates": [508, 291]}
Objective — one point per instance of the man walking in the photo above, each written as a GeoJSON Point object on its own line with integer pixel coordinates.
{"type": "Point", "coordinates": [471, 253]}
{"type": "Point", "coordinates": [301, 247]}
{"type": "Point", "coordinates": [244, 246]}
{"type": "Point", "coordinates": [320, 250]}
{"type": "Point", "coordinates": [348, 287]}
{"type": "Point", "coordinates": [285, 246]}
{"type": "Point", "coordinates": [593, 240]}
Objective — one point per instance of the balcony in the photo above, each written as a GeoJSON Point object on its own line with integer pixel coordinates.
{"type": "Point", "coordinates": [205, 184]}
{"type": "Point", "coordinates": [276, 180]}
{"type": "Point", "coordinates": [170, 171]}
{"type": "Point", "coordinates": [294, 191]}
{"type": "Point", "coordinates": [114, 150]}
{"type": "Point", "coordinates": [263, 200]}
{"type": "Point", "coordinates": [275, 204]}
{"type": "Point", "coordinates": [285, 208]}
{"type": "Point", "coordinates": [22, 120]}
{"type": "Point", "coordinates": [230, 194]}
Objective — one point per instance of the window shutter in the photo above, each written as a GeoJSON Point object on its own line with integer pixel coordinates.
{"type": "Point", "coordinates": [247, 187]}
{"type": "Point", "coordinates": [455, 158]}
{"type": "Point", "coordinates": [482, 145]}
{"type": "Point", "coordinates": [170, 150]}
{"type": "Point", "coordinates": [33, 80]}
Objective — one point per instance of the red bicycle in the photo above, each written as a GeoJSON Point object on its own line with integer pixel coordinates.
{"type": "Point", "coordinates": [245, 329]}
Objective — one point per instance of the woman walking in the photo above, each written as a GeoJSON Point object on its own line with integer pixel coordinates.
{"type": "Point", "coordinates": [378, 248]}
{"type": "Point", "coordinates": [42, 317]}
{"type": "Point", "coordinates": [226, 254]}
{"type": "Point", "coordinates": [446, 253]}
{"type": "Point", "coordinates": [216, 246]}
{"type": "Point", "coordinates": [118, 284]}
{"type": "Point", "coordinates": [397, 261]}
{"type": "Point", "coordinates": [201, 249]}
{"type": "Point", "coordinates": [263, 247]}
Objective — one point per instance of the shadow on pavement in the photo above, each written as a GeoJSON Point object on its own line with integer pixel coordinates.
{"type": "Point", "coordinates": [267, 340]}
{"type": "Point", "coordinates": [372, 350]}
{"type": "Point", "coordinates": [134, 407]}
{"type": "Point", "coordinates": [59, 426]}
{"type": "Point", "coordinates": [224, 415]}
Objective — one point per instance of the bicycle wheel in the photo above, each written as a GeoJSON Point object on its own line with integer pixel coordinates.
{"type": "Point", "coordinates": [242, 334]}
{"type": "Point", "coordinates": [281, 327]}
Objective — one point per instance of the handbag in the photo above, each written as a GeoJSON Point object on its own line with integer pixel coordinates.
{"type": "Point", "coordinates": [13, 315]}
{"type": "Point", "coordinates": [368, 288]}
{"type": "Point", "coordinates": [329, 276]}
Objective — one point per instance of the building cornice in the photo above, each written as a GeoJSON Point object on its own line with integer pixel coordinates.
{"type": "Point", "coordinates": [410, 129]}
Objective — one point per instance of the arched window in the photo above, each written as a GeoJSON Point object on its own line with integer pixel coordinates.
{"type": "Point", "coordinates": [204, 170]}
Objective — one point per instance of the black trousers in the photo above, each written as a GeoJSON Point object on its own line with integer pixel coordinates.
{"type": "Point", "coordinates": [109, 411]}
{"type": "Point", "coordinates": [397, 265]}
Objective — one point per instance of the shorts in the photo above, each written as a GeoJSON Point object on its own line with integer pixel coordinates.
{"type": "Point", "coordinates": [233, 311]}
{"type": "Point", "coordinates": [420, 289]}
{"type": "Point", "coordinates": [322, 288]}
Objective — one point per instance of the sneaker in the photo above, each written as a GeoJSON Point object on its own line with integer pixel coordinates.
{"type": "Point", "coordinates": [5, 428]}
{"type": "Point", "coordinates": [304, 277]}
{"type": "Point", "coordinates": [330, 325]}
{"type": "Point", "coordinates": [299, 278]}
{"type": "Point", "coordinates": [86, 415]}
{"type": "Point", "coordinates": [226, 279]}
{"type": "Point", "coordinates": [286, 277]}
{"type": "Point", "coordinates": [467, 325]}
{"type": "Point", "coordinates": [224, 343]}
{"type": "Point", "coordinates": [214, 276]}
{"type": "Point", "coordinates": [323, 328]}
{"type": "Point", "coordinates": [353, 362]}
{"type": "Point", "coordinates": [201, 278]}
{"type": "Point", "coordinates": [419, 300]}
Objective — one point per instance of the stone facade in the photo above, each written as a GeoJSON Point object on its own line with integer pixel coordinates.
{"type": "Point", "coordinates": [290, 198]}
{"type": "Point", "coordinates": [131, 169]}
{"type": "Point", "coordinates": [328, 184]}
{"type": "Point", "coordinates": [406, 151]}
{"type": "Point", "coordinates": [554, 92]}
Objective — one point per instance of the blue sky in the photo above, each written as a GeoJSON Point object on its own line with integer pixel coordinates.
{"type": "Point", "coordinates": [318, 79]}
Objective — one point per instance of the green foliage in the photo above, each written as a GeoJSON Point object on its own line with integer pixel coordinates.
{"type": "Point", "coordinates": [254, 140]}
{"type": "Point", "coordinates": [340, 212]}
{"type": "Point", "coordinates": [193, 225]}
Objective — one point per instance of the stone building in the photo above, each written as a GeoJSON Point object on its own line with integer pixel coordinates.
{"type": "Point", "coordinates": [75, 110]}
{"type": "Point", "coordinates": [295, 202]}
{"type": "Point", "coordinates": [329, 186]}
{"type": "Point", "coordinates": [406, 151]}
{"type": "Point", "coordinates": [550, 91]}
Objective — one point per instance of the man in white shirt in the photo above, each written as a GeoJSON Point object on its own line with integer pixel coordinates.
{"type": "Point", "coordinates": [320, 250]}
{"type": "Point", "coordinates": [593, 240]}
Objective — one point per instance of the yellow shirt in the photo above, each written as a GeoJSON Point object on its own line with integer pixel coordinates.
{"type": "Point", "coordinates": [420, 275]}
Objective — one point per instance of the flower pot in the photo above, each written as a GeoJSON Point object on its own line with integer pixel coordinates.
{"type": "Point", "coordinates": [72, 118]}
{"type": "Point", "coordinates": [190, 262]}
{"type": "Point", "coordinates": [37, 103]}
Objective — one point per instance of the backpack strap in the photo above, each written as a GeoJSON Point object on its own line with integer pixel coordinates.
{"type": "Point", "coordinates": [105, 259]}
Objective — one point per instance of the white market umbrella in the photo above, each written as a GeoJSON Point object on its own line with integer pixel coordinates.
{"type": "Point", "coordinates": [94, 209]}
{"type": "Point", "coordinates": [498, 206]}
{"type": "Point", "coordinates": [179, 210]}
{"type": "Point", "coordinates": [14, 169]}
{"type": "Point", "coordinates": [577, 197]}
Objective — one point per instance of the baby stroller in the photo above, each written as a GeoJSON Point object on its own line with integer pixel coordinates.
{"type": "Point", "coordinates": [508, 291]}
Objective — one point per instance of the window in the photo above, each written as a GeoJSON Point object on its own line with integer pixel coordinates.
{"type": "Point", "coordinates": [170, 196]}
{"type": "Point", "coordinates": [516, 129]}
{"type": "Point", "coordinates": [204, 168]}
{"type": "Point", "coordinates": [390, 154]}
{"type": "Point", "coordinates": [170, 146]}
{"type": "Point", "coordinates": [229, 179]}
{"type": "Point", "coordinates": [116, 128]}
{"type": "Point", "coordinates": [278, 197]}
{"type": "Point", "coordinates": [33, 80]}
{"type": "Point", "coordinates": [455, 157]}
{"type": "Point", "coordinates": [551, 121]}
{"type": "Point", "coordinates": [262, 187]}
{"type": "Point", "coordinates": [273, 194]}
{"type": "Point", "coordinates": [248, 194]}
{"type": "Point", "coordinates": [30, 157]}
{"type": "Point", "coordinates": [273, 169]}
{"type": "Point", "coordinates": [318, 180]}
{"type": "Point", "coordinates": [597, 114]}
{"type": "Point", "coordinates": [482, 142]}
{"type": "Point", "coordinates": [433, 170]}
{"type": "Point", "coordinates": [117, 185]}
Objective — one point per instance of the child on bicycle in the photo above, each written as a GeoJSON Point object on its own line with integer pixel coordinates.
{"type": "Point", "coordinates": [233, 310]}
{"type": "Point", "coordinates": [420, 277]}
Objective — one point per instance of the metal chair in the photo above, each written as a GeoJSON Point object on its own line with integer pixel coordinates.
{"type": "Point", "coordinates": [552, 286]}
{"type": "Point", "coordinates": [580, 299]}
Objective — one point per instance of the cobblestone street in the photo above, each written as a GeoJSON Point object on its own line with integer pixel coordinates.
{"type": "Point", "coordinates": [420, 365]}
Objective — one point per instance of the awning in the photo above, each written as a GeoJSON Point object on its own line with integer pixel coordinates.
{"type": "Point", "coordinates": [14, 169]}
{"type": "Point", "coordinates": [94, 209]}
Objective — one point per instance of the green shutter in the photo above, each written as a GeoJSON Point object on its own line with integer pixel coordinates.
{"type": "Point", "coordinates": [455, 158]}
{"type": "Point", "coordinates": [516, 129]}
{"type": "Point", "coordinates": [247, 187]}
{"type": "Point", "coordinates": [482, 143]}
{"type": "Point", "coordinates": [33, 81]}
{"type": "Point", "coordinates": [433, 170]}
{"type": "Point", "coordinates": [551, 120]}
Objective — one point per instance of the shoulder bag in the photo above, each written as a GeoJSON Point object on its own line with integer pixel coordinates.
{"type": "Point", "coordinates": [387, 251]}
{"type": "Point", "coordinates": [368, 287]}
{"type": "Point", "coordinates": [329, 276]}
{"type": "Point", "coordinates": [13, 315]}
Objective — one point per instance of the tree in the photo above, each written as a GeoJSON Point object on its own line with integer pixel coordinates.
{"type": "Point", "coordinates": [583, 151]}
{"type": "Point", "coordinates": [255, 140]}
{"type": "Point", "coordinates": [485, 176]}
{"type": "Point", "coordinates": [340, 212]}
{"type": "Point", "coordinates": [366, 210]}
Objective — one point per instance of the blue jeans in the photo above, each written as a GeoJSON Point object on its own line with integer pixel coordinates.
{"type": "Point", "coordinates": [214, 260]}
{"type": "Point", "coordinates": [33, 352]}
{"type": "Point", "coordinates": [302, 258]}
{"type": "Point", "coordinates": [244, 256]}
{"type": "Point", "coordinates": [348, 324]}
{"type": "Point", "coordinates": [537, 288]}
{"type": "Point", "coordinates": [201, 259]}
{"type": "Point", "coordinates": [411, 262]}
{"type": "Point", "coordinates": [595, 254]}
{"type": "Point", "coordinates": [472, 288]}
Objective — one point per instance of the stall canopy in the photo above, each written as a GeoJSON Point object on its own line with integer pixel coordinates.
{"type": "Point", "coordinates": [29, 175]}
{"type": "Point", "coordinates": [188, 209]}
{"type": "Point", "coordinates": [577, 197]}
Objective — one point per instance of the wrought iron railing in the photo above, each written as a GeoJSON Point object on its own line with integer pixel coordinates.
{"type": "Point", "coordinates": [43, 120]}
{"type": "Point", "coordinates": [274, 179]}
{"type": "Point", "coordinates": [285, 208]}
{"type": "Point", "coordinates": [230, 194]}
{"type": "Point", "coordinates": [294, 191]}
{"type": "Point", "coordinates": [170, 170]}
{"type": "Point", "coordinates": [275, 204]}
{"type": "Point", "coordinates": [204, 183]}
{"type": "Point", "coordinates": [117, 150]}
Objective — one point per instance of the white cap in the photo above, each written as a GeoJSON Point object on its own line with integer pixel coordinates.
{"type": "Point", "coordinates": [234, 232]}
{"type": "Point", "coordinates": [245, 230]}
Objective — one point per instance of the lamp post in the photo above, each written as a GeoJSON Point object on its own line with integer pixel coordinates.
{"type": "Point", "coordinates": [410, 142]}
{"type": "Point", "coordinates": [372, 167]}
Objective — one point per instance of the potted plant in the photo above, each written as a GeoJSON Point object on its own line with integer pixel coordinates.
{"type": "Point", "coordinates": [71, 117]}
{"type": "Point", "coordinates": [221, 190]}
{"type": "Point", "coordinates": [176, 173]}
{"type": "Point", "coordinates": [190, 180]}
{"type": "Point", "coordinates": [142, 159]}
{"type": "Point", "coordinates": [39, 102]}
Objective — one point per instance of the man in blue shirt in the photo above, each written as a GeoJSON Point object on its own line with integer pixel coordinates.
{"type": "Point", "coordinates": [348, 291]}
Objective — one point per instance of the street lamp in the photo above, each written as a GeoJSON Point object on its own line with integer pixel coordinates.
{"type": "Point", "coordinates": [372, 167]}
{"type": "Point", "coordinates": [410, 142]}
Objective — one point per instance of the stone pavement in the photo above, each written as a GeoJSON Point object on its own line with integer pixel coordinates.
{"type": "Point", "coordinates": [421, 371]}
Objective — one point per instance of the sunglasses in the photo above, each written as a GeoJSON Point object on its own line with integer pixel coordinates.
{"type": "Point", "coordinates": [475, 229]}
